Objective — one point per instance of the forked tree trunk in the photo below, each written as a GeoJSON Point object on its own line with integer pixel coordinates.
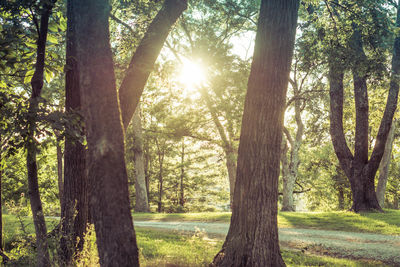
{"type": "Point", "coordinates": [74, 211]}
{"type": "Point", "coordinates": [252, 239]}
{"type": "Point", "coordinates": [142, 203]}
{"type": "Point", "coordinates": [358, 168]}
{"type": "Point", "coordinates": [107, 175]}
{"type": "Point", "coordinates": [384, 167]}
{"type": "Point", "coordinates": [43, 258]}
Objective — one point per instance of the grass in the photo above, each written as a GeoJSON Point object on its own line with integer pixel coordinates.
{"type": "Point", "coordinates": [166, 248]}
{"type": "Point", "coordinates": [381, 223]}
{"type": "Point", "coordinates": [163, 248]}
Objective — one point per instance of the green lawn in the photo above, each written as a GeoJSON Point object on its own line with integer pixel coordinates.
{"type": "Point", "coordinates": [163, 248]}
{"type": "Point", "coordinates": [382, 223]}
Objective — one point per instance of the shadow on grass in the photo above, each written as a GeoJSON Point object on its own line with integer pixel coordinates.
{"type": "Point", "coordinates": [381, 223]}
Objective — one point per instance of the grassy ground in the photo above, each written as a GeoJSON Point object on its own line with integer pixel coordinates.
{"type": "Point", "coordinates": [163, 248]}
{"type": "Point", "coordinates": [381, 223]}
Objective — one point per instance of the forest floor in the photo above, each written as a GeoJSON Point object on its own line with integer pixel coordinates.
{"type": "Point", "coordinates": [341, 244]}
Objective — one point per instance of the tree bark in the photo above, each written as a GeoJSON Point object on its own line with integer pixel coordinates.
{"type": "Point", "coordinates": [107, 176]}
{"type": "Point", "coordinates": [384, 167]}
{"type": "Point", "coordinates": [252, 239]}
{"type": "Point", "coordinates": [142, 203]}
{"type": "Point", "coordinates": [74, 212]}
{"type": "Point", "coordinates": [145, 56]}
{"type": "Point", "coordinates": [43, 258]}
{"type": "Point", "coordinates": [359, 170]}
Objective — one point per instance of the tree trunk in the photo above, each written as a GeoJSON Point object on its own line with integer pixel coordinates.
{"type": "Point", "coordinates": [74, 211]}
{"type": "Point", "coordinates": [287, 188]}
{"type": "Point", "coordinates": [107, 175]}
{"type": "Point", "coordinates": [160, 176]}
{"type": "Point", "coordinates": [182, 186]}
{"type": "Point", "coordinates": [145, 55]}
{"type": "Point", "coordinates": [142, 203]}
{"type": "Point", "coordinates": [384, 167]}
{"type": "Point", "coordinates": [43, 258]}
{"type": "Point", "coordinates": [361, 171]}
{"type": "Point", "coordinates": [227, 145]}
{"type": "Point", "coordinates": [252, 239]}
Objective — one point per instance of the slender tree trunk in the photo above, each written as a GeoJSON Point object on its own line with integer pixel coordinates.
{"type": "Point", "coordinates": [359, 170]}
{"type": "Point", "coordinates": [107, 175]}
{"type": "Point", "coordinates": [384, 167]}
{"type": "Point", "coordinates": [252, 239]}
{"type": "Point", "coordinates": [43, 258]}
{"type": "Point", "coordinates": [142, 203]}
{"type": "Point", "coordinates": [182, 186]}
{"type": "Point", "coordinates": [287, 189]}
{"type": "Point", "coordinates": [160, 177]}
{"type": "Point", "coordinates": [227, 145]}
{"type": "Point", "coordinates": [341, 197]}
{"type": "Point", "coordinates": [74, 212]}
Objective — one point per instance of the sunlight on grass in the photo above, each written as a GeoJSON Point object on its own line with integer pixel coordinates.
{"type": "Point", "coordinates": [381, 223]}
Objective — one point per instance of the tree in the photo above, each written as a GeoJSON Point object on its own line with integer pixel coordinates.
{"type": "Point", "coordinates": [74, 206]}
{"type": "Point", "coordinates": [43, 258]}
{"type": "Point", "coordinates": [252, 239]}
{"type": "Point", "coordinates": [360, 169]}
{"type": "Point", "coordinates": [107, 177]}
{"type": "Point", "coordinates": [384, 167]}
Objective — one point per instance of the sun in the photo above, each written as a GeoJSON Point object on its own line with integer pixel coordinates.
{"type": "Point", "coordinates": [192, 75]}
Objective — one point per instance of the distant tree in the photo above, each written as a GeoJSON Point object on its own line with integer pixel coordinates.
{"type": "Point", "coordinates": [252, 239]}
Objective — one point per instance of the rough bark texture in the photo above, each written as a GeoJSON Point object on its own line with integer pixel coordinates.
{"type": "Point", "coordinates": [43, 258]}
{"type": "Point", "coordinates": [145, 55]}
{"type": "Point", "coordinates": [142, 202]}
{"type": "Point", "coordinates": [384, 168]}
{"type": "Point", "coordinates": [107, 176]}
{"type": "Point", "coordinates": [252, 239]}
{"type": "Point", "coordinates": [359, 170]}
{"type": "Point", "coordinates": [74, 211]}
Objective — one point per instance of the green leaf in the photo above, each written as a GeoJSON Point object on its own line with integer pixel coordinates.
{"type": "Point", "coordinates": [52, 39]}
{"type": "Point", "coordinates": [28, 76]}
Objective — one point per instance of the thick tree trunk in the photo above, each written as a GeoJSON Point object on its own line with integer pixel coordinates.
{"type": "Point", "coordinates": [145, 55]}
{"type": "Point", "coordinates": [107, 176]}
{"type": "Point", "coordinates": [142, 203]}
{"type": "Point", "coordinates": [384, 167]}
{"type": "Point", "coordinates": [361, 171]}
{"type": "Point", "coordinates": [74, 211]}
{"type": "Point", "coordinates": [43, 258]}
{"type": "Point", "coordinates": [252, 239]}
